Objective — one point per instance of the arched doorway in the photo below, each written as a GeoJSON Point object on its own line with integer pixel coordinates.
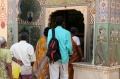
{"type": "Point", "coordinates": [83, 9]}
{"type": "Point", "coordinates": [73, 18]}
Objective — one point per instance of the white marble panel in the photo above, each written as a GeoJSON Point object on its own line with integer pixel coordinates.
{"type": "Point", "coordinates": [89, 71]}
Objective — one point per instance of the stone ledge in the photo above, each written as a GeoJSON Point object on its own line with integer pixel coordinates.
{"type": "Point", "coordinates": [90, 66]}
{"type": "Point", "coordinates": [89, 71]}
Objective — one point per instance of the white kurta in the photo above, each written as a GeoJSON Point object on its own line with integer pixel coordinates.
{"type": "Point", "coordinates": [25, 52]}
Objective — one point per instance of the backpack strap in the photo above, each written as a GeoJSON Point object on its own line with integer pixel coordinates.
{"type": "Point", "coordinates": [53, 33]}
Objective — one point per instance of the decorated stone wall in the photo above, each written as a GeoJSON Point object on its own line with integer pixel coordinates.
{"type": "Point", "coordinates": [54, 2]}
{"type": "Point", "coordinates": [32, 30]}
{"type": "Point", "coordinates": [108, 20]}
{"type": "Point", "coordinates": [12, 22]}
{"type": "Point", "coordinates": [22, 22]}
{"type": "Point", "coordinates": [114, 32]}
{"type": "Point", "coordinates": [31, 26]}
{"type": "Point", "coordinates": [104, 36]}
{"type": "Point", "coordinates": [40, 21]}
{"type": "Point", "coordinates": [3, 18]}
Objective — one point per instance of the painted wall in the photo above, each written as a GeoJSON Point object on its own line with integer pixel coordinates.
{"type": "Point", "coordinates": [32, 30]}
{"type": "Point", "coordinates": [43, 3]}
{"type": "Point", "coordinates": [12, 22]}
{"type": "Point", "coordinates": [54, 2]}
{"type": "Point", "coordinates": [3, 18]}
{"type": "Point", "coordinates": [108, 18]}
{"type": "Point", "coordinates": [108, 11]}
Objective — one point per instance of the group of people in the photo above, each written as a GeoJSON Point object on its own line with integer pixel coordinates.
{"type": "Point", "coordinates": [22, 53]}
{"type": "Point", "coordinates": [70, 49]}
{"type": "Point", "coordinates": [37, 62]}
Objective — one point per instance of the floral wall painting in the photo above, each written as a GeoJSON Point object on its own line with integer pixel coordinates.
{"type": "Point", "coordinates": [34, 35]}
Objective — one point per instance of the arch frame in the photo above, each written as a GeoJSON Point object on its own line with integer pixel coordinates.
{"type": "Point", "coordinates": [83, 8]}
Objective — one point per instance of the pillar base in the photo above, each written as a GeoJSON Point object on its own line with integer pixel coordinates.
{"type": "Point", "coordinates": [89, 71]}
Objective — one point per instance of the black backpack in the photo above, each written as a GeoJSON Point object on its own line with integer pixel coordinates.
{"type": "Point", "coordinates": [53, 51]}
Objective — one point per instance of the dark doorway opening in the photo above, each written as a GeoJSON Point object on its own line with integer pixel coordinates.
{"type": "Point", "coordinates": [72, 18]}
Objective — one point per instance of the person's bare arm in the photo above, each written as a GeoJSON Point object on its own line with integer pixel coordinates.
{"type": "Point", "coordinates": [80, 51]}
{"type": "Point", "coordinates": [9, 70]}
{"type": "Point", "coordinates": [32, 63]}
{"type": "Point", "coordinates": [17, 61]}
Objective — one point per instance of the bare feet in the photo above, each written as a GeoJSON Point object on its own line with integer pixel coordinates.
{"type": "Point", "coordinates": [101, 64]}
{"type": "Point", "coordinates": [116, 63]}
{"type": "Point", "coordinates": [111, 64]}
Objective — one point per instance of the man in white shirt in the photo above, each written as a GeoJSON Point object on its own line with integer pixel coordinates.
{"type": "Point", "coordinates": [23, 54]}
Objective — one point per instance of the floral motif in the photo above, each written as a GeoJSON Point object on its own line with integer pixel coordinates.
{"type": "Point", "coordinates": [112, 4]}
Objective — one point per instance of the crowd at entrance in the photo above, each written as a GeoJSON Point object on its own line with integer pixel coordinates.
{"type": "Point", "coordinates": [35, 62]}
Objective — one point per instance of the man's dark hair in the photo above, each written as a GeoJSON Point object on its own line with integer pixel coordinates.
{"type": "Point", "coordinates": [59, 20]}
{"type": "Point", "coordinates": [23, 36]}
{"type": "Point", "coordinates": [73, 30]}
{"type": "Point", "coordinates": [46, 31]}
